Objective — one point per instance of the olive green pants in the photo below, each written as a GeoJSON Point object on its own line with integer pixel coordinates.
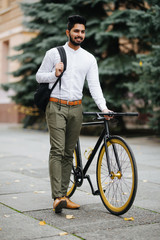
{"type": "Point", "coordinates": [64, 126]}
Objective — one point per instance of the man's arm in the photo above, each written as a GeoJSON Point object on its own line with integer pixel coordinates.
{"type": "Point", "coordinates": [95, 88]}
{"type": "Point", "coordinates": [47, 71]}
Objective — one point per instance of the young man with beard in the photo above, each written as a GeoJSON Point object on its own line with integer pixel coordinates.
{"type": "Point", "coordinates": [64, 123]}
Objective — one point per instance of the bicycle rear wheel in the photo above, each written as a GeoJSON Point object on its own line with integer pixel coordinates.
{"type": "Point", "coordinates": [117, 190]}
{"type": "Point", "coordinates": [72, 185]}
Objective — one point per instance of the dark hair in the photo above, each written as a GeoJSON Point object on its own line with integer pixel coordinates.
{"type": "Point", "coordinates": [72, 20]}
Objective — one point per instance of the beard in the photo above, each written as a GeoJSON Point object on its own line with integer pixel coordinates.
{"type": "Point", "coordinates": [75, 43]}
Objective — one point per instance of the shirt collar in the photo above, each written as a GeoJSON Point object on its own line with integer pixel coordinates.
{"type": "Point", "coordinates": [71, 49]}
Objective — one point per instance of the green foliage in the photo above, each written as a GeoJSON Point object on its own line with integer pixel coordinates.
{"type": "Point", "coordinates": [148, 86]}
{"type": "Point", "coordinates": [108, 22]}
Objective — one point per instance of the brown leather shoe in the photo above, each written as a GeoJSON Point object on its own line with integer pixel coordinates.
{"type": "Point", "coordinates": [58, 204]}
{"type": "Point", "coordinates": [70, 204]}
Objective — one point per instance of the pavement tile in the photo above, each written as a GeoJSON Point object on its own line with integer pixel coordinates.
{"type": "Point", "coordinates": [20, 162]}
{"type": "Point", "coordinates": [21, 227]}
{"type": "Point", "coordinates": [28, 201]}
{"type": "Point", "coordinates": [12, 182]}
{"type": "Point", "coordinates": [142, 232]}
{"type": "Point", "coordinates": [94, 219]}
{"type": "Point", "coordinates": [102, 218]}
{"type": "Point", "coordinates": [148, 196]}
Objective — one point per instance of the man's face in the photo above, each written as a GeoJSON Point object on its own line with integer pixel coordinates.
{"type": "Point", "coordinates": [76, 34]}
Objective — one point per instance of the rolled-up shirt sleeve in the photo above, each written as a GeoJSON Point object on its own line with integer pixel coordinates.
{"type": "Point", "coordinates": [94, 86]}
{"type": "Point", "coordinates": [46, 72]}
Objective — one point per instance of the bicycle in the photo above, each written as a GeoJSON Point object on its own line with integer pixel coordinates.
{"type": "Point", "coordinates": [116, 170]}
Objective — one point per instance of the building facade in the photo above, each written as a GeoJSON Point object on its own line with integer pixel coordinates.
{"type": "Point", "coordinates": [12, 33]}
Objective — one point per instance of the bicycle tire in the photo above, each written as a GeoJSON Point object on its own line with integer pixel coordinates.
{"type": "Point", "coordinates": [72, 185]}
{"type": "Point", "coordinates": [117, 192]}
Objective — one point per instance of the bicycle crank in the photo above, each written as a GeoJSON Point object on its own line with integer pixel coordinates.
{"type": "Point", "coordinates": [78, 176]}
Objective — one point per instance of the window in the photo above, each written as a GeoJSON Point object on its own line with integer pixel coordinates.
{"type": "Point", "coordinates": [5, 62]}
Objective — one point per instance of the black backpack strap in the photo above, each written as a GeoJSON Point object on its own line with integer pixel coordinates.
{"type": "Point", "coordinates": [63, 56]}
{"type": "Point", "coordinates": [64, 60]}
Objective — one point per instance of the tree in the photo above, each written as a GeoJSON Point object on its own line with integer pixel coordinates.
{"type": "Point", "coordinates": [111, 36]}
{"type": "Point", "coordinates": [147, 88]}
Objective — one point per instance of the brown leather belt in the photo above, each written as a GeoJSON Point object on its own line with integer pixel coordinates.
{"type": "Point", "coordinates": [73, 103]}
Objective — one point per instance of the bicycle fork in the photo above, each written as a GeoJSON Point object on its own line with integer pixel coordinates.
{"type": "Point", "coordinates": [111, 173]}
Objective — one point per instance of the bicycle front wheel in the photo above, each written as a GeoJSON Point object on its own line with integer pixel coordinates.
{"type": "Point", "coordinates": [72, 184]}
{"type": "Point", "coordinates": [118, 189]}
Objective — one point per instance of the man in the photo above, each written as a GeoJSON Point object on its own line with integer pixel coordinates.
{"type": "Point", "coordinates": [64, 122]}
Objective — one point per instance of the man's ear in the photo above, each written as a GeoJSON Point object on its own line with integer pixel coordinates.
{"type": "Point", "coordinates": [67, 33]}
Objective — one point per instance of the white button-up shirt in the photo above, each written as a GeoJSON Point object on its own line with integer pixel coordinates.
{"type": "Point", "coordinates": [81, 65]}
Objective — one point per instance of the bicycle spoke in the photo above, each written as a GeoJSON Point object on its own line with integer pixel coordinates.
{"type": "Point", "coordinates": [118, 187]}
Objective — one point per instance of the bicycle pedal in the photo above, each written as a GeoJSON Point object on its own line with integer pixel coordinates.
{"type": "Point", "coordinates": [97, 192]}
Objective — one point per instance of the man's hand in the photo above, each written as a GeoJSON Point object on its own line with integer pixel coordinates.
{"type": "Point", "coordinates": [59, 69]}
{"type": "Point", "coordinates": [107, 111]}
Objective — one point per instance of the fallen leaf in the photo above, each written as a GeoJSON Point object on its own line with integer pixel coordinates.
{"type": "Point", "coordinates": [29, 165]}
{"type": "Point", "coordinates": [17, 181]}
{"type": "Point", "coordinates": [42, 223]}
{"type": "Point", "coordinates": [63, 233]}
{"type": "Point", "coordinates": [70, 217]}
{"type": "Point", "coordinates": [0, 229]}
{"type": "Point", "coordinates": [129, 219]}
{"type": "Point", "coordinates": [39, 191]}
{"type": "Point", "coordinates": [6, 215]}
{"type": "Point", "coordinates": [145, 180]}
{"type": "Point", "coordinates": [14, 197]}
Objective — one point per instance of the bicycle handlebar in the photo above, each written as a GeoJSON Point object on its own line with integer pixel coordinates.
{"type": "Point", "coordinates": [118, 114]}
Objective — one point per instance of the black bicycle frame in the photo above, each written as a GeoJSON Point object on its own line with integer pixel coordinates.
{"type": "Point", "coordinates": [104, 136]}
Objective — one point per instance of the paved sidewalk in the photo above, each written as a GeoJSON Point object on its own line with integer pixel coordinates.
{"type": "Point", "coordinates": [26, 204]}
